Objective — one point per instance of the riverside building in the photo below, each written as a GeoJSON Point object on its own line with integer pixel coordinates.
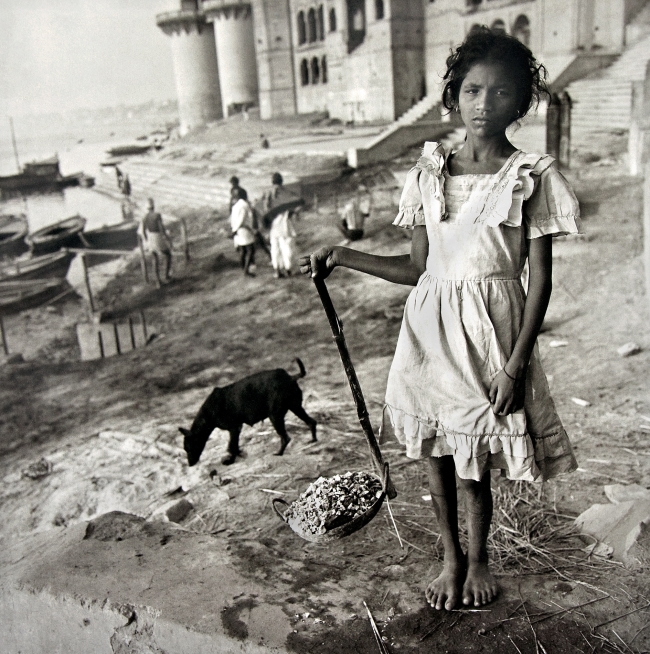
{"type": "Point", "coordinates": [368, 60]}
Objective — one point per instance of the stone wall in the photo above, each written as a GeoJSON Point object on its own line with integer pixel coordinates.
{"type": "Point", "coordinates": [273, 47]}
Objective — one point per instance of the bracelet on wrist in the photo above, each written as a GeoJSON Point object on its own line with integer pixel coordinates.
{"type": "Point", "coordinates": [507, 375]}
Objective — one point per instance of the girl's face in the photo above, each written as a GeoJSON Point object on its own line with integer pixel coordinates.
{"type": "Point", "coordinates": [488, 99]}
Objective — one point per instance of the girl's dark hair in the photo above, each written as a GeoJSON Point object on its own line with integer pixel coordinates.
{"type": "Point", "coordinates": [482, 44]}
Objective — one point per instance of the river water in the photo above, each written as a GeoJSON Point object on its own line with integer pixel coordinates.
{"type": "Point", "coordinates": [80, 146]}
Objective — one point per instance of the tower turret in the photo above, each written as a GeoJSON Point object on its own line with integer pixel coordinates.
{"type": "Point", "coordinates": [235, 44]}
{"type": "Point", "coordinates": [194, 58]}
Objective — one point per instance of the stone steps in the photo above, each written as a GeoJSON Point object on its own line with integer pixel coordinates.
{"type": "Point", "coordinates": [428, 105]}
{"type": "Point", "coordinates": [631, 64]}
{"type": "Point", "coordinates": [171, 187]}
{"type": "Point", "coordinates": [174, 185]}
{"type": "Point", "coordinates": [603, 101]}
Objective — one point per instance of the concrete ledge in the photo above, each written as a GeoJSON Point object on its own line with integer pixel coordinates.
{"type": "Point", "coordinates": [69, 625]}
{"type": "Point", "coordinates": [150, 586]}
{"type": "Point", "coordinates": [395, 142]}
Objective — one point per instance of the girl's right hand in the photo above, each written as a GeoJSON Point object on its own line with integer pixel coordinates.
{"type": "Point", "coordinates": [320, 264]}
{"type": "Point", "coordinates": [507, 395]}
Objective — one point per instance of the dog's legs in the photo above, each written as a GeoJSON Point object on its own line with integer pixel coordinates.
{"type": "Point", "coordinates": [278, 422]}
{"type": "Point", "coordinates": [233, 447]}
{"type": "Point", "coordinates": [305, 417]}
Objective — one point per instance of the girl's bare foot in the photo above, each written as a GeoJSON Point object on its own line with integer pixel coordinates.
{"type": "Point", "coordinates": [444, 591]}
{"type": "Point", "coordinates": [480, 586]}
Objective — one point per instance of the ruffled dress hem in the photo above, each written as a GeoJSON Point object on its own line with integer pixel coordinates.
{"type": "Point", "coordinates": [474, 454]}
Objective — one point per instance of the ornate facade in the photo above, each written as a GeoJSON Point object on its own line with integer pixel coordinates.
{"type": "Point", "coordinates": [362, 60]}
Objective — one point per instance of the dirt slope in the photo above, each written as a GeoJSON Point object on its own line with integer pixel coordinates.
{"type": "Point", "coordinates": [110, 427]}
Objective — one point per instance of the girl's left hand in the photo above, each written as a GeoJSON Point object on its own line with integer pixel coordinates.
{"type": "Point", "coordinates": [507, 395]}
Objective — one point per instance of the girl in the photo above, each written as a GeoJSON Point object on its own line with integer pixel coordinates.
{"type": "Point", "coordinates": [466, 390]}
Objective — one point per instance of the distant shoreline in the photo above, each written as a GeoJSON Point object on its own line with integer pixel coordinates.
{"type": "Point", "coordinates": [38, 137]}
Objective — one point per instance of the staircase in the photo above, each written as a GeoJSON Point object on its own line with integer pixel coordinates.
{"type": "Point", "coordinates": [426, 109]}
{"type": "Point", "coordinates": [602, 102]}
{"type": "Point", "coordinates": [169, 184]}
{"type": "Point", "coordinates": [421, 122]}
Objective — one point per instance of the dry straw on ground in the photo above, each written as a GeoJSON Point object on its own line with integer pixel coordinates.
{"type": "Point", "coordinates": [530, 536]}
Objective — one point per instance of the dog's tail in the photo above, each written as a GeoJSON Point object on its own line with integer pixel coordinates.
{"type": "Point", "coordinates": [302, 372]}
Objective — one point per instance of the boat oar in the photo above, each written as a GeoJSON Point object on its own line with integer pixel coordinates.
{"type": "Point", "coordinates": [362, 412]}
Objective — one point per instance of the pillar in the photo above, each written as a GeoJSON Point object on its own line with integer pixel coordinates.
{"type": "Point", "coordinates": [195, 66]}
{"type": "Point", "coordinates": [565, 130]}
{"type": "Point", "coordinates": [274, 49]}
{"type": "Point", "coordinates": [235, 44]}
{"type": "Point", "coordinates": [553, 127]}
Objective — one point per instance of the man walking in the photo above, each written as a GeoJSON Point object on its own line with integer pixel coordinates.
{"type": "Point", "coordinates": [157, 241]}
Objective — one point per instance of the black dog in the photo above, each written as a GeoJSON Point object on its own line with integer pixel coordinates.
{"type": "Point", "coordinates": [268, 394]}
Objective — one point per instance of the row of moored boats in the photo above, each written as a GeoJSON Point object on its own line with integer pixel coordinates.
{"type": "Point", "coordinates": [33, 267]}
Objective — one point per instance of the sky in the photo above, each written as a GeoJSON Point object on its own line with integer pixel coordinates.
{"type": "Point", "coordinates": [57, 55]}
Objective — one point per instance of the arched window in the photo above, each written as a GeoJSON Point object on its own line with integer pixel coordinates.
{"type": "Point", "coordinates": [304, 72]}
{"type": "Point", "coordinates": [321, 23]}
{"type": "Point", "coordinates": [379, 9]}
{"type": "Point", "coordinates": [356, 23]}
{"type": "Point", "coordinates": [498, 26]}
{"type": "Point", "coordinates": [302, 28]}
{"type": "Point", "coordinates": [323, 68]}
{"type": "Point", "coordinates": [521, 29]}
{"type": "Point", "coordinates": [311, 24]}
{"type": "Point", "coordinates": [332, 20]}
{"type": "Point", "coordinates": [473, 3]}
{"type": "Point", "coordinates": [315, 70]}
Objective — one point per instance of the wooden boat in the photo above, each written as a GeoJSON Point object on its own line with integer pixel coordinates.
{"type": "Point", "coordinates": [16, 296]}
{"type": "Point", "coordinates": [87, 181]}
{"type": "Point", "coordinates": [47, 266]}
{"type": "Point", "coordinates": [65, 233]}
{"type": "Point", "coordinates": [113, 161]}
{"type": "Point", "coordinates": [13, 230]}
{"type": "Point", "coordinates": [122, 236]}
{"type": "Point", "coordinates": [42, 175]}
{"type": "Point", "coordinates": [129, 149]}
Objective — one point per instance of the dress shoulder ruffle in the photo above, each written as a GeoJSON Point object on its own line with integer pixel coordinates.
{"type": "Point", "coordinates": [534, 194]}
{"type": "Point", "coordinates": [553, 208]}
{"type": "Point", "coordinates": [529, 192]}
{"type": "Point", "coordinates": [425, 179]}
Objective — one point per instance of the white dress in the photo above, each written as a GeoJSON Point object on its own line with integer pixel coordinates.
{"type": "Point", "coordinates": [462, 319]}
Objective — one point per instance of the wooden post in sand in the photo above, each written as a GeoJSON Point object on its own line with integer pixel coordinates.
{"type": "Point", "coordinates": [143, 261]}
{"type": "Point", "coordinates": [644, 122]}
{"type": "Point", "coordinates": [553, 126]}
{"type": "Point", "coordinates": [144, 325]}
{"type": "Point", "coordinates": [87, 282]}
{"type": "Point", "coordinates": [186, 247]}
{"type": "Point", "coordinates": [646, 228]}
{"type": "Point", "coordinates": [5, 347]}
{"type": "Point", "coordinates": [131, 332]}
{"type": "Point", "coordinates": [117, 338]}
{"type": "Point", "coordinates": [100, 340]}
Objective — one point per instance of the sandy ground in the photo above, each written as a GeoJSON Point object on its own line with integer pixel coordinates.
{"type": "Point", "coordinates": [110, 428]}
